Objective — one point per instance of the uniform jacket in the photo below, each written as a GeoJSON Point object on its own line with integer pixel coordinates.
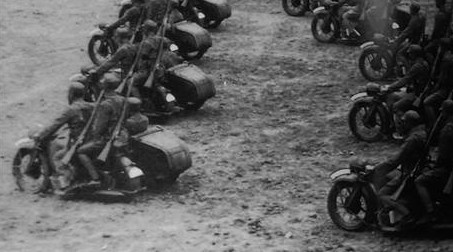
{"type": "Point", "coordinates": [124, 57]}
{"type": "Point", "coordinates": [108, 115]}
{"type": "Point", "coordinates": [416, 78]}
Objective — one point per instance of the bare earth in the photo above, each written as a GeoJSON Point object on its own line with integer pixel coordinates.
{"type": "Point", "coordinates": [262, 149]}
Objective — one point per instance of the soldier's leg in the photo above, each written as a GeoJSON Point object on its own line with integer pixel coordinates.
{"type": "Point", "coordinates": [86, 153]}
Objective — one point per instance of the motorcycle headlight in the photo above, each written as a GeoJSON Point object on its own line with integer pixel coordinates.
{"type": "Point", "coordinates": [170, 98]}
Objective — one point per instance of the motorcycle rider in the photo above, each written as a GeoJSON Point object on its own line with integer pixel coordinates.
{"type": "Point", "coordinates": [408, 155]}
{"type": "Point", "coordinates": [104, 124]}
{"type": "Point", "coordinates": [76, 115]}
{"type": "Point", "coordinates": [156, 10]}
{"type": "Point", "coordinates": [415, 81]}
{"type": "Point", "coordinates": [441, 92]}
{"type": "Point", "coordinates": [442, 19]}
{"type": "Point", "coordinates": [350, 11]}
{"type": "Point", "coordinates": [124, 57]}
{"type": "Point", "coordinates": [132, 15]}
{"type": "Point", "coordinates": [431, 182]}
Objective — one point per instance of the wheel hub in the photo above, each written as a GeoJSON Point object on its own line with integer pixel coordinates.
{"type": "Point", "coordinates": [376, 63]}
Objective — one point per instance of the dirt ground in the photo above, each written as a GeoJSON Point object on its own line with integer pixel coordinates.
{"type": "Point", "coordinates": [262, 148]}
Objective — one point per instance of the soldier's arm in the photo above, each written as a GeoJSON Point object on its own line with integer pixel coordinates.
{"type": "Point", "coordinates": [112, 62]}
{"type": "Point", "coordinates": [56, 124]}
{"type": "Point", "coordinates": [407, 149]}
{"type": "Point", "coordinates": [130, 14]}
{"type": "Point", "coordinates": [409, 78]}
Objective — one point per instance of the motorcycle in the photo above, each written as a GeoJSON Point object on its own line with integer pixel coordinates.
{"type": "Point", "coordinates": [298, 8]}
{"type": "Point", "coordinates": [192, 40]}
{"type": "Point", "coordinates": [370, 118]}
{"type": "Point", "coordinates": [34, 170]}
{"type": "Point", "coordinates": [378, 60]}
{"type": "Point", "coordinates": [184, 85]}
{"type": "Point", "coordinates": [206, 13]}
{"type": "Point", "coordinates": [353, 203]}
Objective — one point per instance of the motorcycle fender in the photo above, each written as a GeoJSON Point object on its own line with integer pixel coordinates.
{"type": "Point", "coordinates": [319, 10]}
{"type": "Point", "coordinates": [359, 96]}
{"type": "Point", "coordinates": [343, 175]}
{"type": "Point", "coordinates": [125, 2]}
{"type": "Point", "coordinates": [96, 31]}
{"type": "Point", "coordinates": [367, 45]}
{"type": "Point", "coordinates": [25, 143]}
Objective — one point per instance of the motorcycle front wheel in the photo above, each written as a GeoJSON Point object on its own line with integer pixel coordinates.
{"type": "Point", "coordinates": [100, 49]}
{"type": "Point", "coordinates": [348, 211]}
{"type": "Point", "coordinates": [30, 174]}
{"type": "Point", "coordinates": [323, 29]}
{"type": "Point", "coordinates": [295, 8]}
{"type": "Point", "coordinates": [367, 121]}
{"type": "Point", "coordinates": [375, 65]}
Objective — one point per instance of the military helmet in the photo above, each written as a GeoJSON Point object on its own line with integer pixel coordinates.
{"type": "Point", "coordinates": [149, 25]}
{"type": "Point", "coordinates": [110, 81]}
{"type": "Point", "coordinates": [123, 33]}
{"type": "Point", "coordinates": [411, 117]}
{"type": "Point", "coordinates": [415, 7]}
{"type": "Point", "coordinates": [415, 51]}
{"type": "Point", "coordinates": [447, 107]}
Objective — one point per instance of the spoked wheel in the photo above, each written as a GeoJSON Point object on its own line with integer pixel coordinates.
{"type": "Point", "coordinates": [29, 173]}
{"type": "Point", "coordinates": [295, 8]}
{"type": "Point", "coordinates": [323, 29]}
{"type": "Point", "coordinates": [367, 121]}
{"type": "Point", "coordinates": [100, 49]}
{"type": "Point", "coordinates": [374, 65]}
{"type": "Point", "coordinates": [348, 207]}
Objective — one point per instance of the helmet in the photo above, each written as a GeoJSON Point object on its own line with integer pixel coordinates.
{"type": "Point", "coordinates": [76, 90]}
{"type": "Point", "coordinates": [110, 81]}
{"type": "Point", "coordinates": [149, 25]}
{"type": "Point", "coordinates": [415, 51]}
{"type": "Point", "coordinates": [123, 33]}
{"type": "Point", "coordinates": [411, 117]}
{"type": "Point", "coordinates": [134, 103]}
{"type": "Point", "coordinates": [447, 107]}
{"type": "Point", "coordinates": [414, 8]}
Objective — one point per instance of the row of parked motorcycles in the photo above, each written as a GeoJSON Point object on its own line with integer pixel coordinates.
{"type": "Point", "coordinates": [152, 157]}
{"type": "Point", "coordinates": [353, 203]}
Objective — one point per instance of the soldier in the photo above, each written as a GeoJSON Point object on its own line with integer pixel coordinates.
{"type": "Point", "coordinates": [137, 122]}
{"type": "Point", "coordinates": [431, 182]}
{"type": "Point", "coordinates": [76, 116]}
{"type": "Point", "coordinates": [416, 27]}
{"type": "Point", "coordinates": [132, 16]}
{"type": "Point", "coordinates": [442, 19]}
{"type": "Point", "coordinates": [408, 156]}
{"type": "Point", "coordinates": [415, 81]}
{"type": "Point", "coordinates": [124, 56]}
{"type": "Point", "coordinates": [157, 9]}
{"type": "Point", "coordinates": [442, 91]}
{"type": "Point", "coordinates": [104, 124]}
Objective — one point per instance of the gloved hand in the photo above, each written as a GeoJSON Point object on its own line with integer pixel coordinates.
{"type": "Point", "coordinates": [93, 76]}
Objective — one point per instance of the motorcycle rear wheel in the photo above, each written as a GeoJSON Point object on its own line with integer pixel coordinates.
{"type": "Point", "coordinates": [320, 33]}
{"type": "Point", "coordinates": [375, 65]}
{"type": "Point", "coordinates": [354, 221]}
{"type": "Point", "coordinates": [377, 124]}
{"type": "Point", "coordinates": [295, 8]}
{"type": "Point", "coordinates": [33, 179]}
{"type": "Point", "coordinates": [98, 42]}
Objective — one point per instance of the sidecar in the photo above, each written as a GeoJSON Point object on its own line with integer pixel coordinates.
{"type": "Point", "coordinates": [190, 85]}
{"type": "Point", "coordinates": [216, 9]}
{"type": "Point", "coordinates": [193, 40]}
{"type": "Point", "coordinates": [160, 154]}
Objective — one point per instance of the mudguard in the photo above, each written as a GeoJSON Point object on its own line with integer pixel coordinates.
{"type": "Point", "coordinates": [360, 96]}
{"type": "Point", "coordinates": [25, 143]}
{"type": "Point", "coordinates": [96, 32]}
{"type": "Point", "coordinates": [320, 10]}
{"type": "Point", "coordinates": [367, 44]}
{"type": "Point", "coordinates": [125, 2]}
{"type": "Point", "coordinates": [343, 175]}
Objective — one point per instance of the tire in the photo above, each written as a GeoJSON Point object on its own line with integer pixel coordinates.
{"type": "Point", "coordinates": [364, 209]}
{"type": "Point", "coordinates": [99, 57]}
{"type": "Point", "coordinates": [193, 106]}
{"type": "Point", "coordinates": [37, 179]}
{"type": "Point", "coordinates": [373, 60]}
{"type": "Point", "coordinates": [379, 121]}
{"type": "Point", "coordinates": [214, 24]}
{"type": "Point", "coordinates": [295, 8]}
{"type": "Point", "coordinates": [327, 36]}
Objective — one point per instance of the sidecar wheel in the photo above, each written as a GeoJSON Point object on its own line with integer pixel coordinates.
{"type": "Point", "coordinates": [347, 219]}
{"type": "Point", "coordinates": [30, 175]}
{"type": "Point", "coordinates": [193, 106]}
{"type": "Point", "coordinates": [193, 55]}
